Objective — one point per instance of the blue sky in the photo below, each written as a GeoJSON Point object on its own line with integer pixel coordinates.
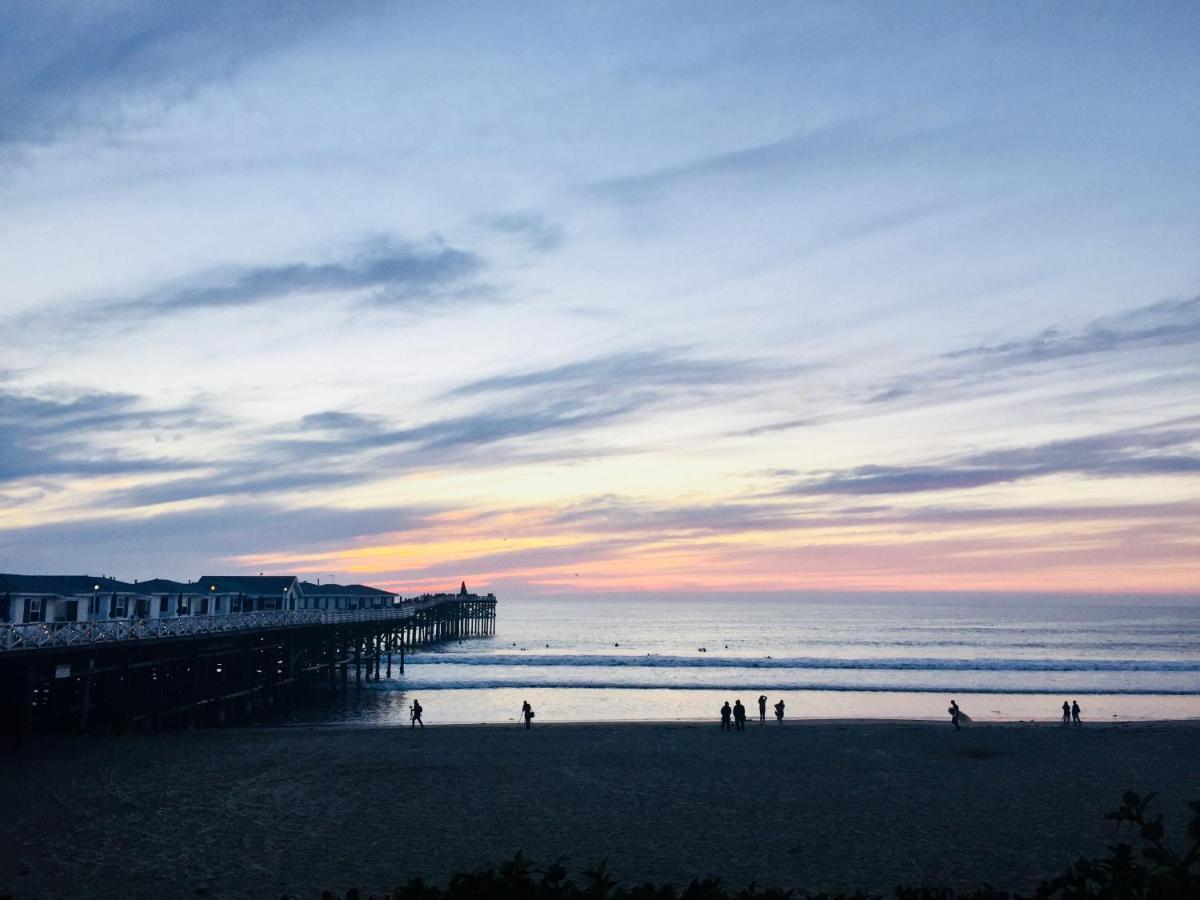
{"type": "Point", "coordinates": [601, 297]}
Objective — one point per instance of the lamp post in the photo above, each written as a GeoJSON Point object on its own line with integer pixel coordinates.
{"type": "Point", "coordinates": [94, 610]}
{"type": "Point", "coordinates": [212, 593]}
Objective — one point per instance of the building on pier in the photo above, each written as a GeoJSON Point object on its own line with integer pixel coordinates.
{"type": "Point", "coordinates": [344, 596]}
{"type": "Point", "coordinates": [26, 599]}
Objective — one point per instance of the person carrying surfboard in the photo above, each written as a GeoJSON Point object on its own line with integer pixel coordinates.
{"type": "Point", "coordinates": [955, 713]}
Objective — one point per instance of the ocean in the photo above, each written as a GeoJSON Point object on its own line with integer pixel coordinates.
{"type": "Point", "coordinates": [625, 657]}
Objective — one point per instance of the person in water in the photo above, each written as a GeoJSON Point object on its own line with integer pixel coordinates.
{"type": "Point", "coordinates": [1075, 712]}
{"type": "Point", "coordinates": [739, 715]}
{"type": "Point", "coordinates": [1066, 719]}
{"type": "Point", "coordinates": [414, 715]}
{"type": "Point", "coordinates": [779, 712]}
{"type": "Point", "coordinates": [762, 707]}
{"type": "Point", "coordinates": [726, 712]}
{"type": "Point", "coordinates": [527, 714]}
{"type": "Point", "coordinates": [955, 712]}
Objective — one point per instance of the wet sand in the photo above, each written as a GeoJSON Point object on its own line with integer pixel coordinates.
{"type": "Point", "coordinates": [810, 805]}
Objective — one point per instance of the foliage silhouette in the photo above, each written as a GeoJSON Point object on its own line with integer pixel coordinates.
{"type": "Point", "coordinates": [1159, 872]}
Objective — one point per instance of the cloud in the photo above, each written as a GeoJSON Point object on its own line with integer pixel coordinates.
{"type": "Point", "coordinates": [980, 369]}
{"type": "Point", "coordinates": [662, 368]}
{"type": "Point", "coordinates": [397, 273]}
{"type": "Point", "coordinates": [1170, 323]}
{"type": "Point", "coordinates": [859, 141]}
{"type": "Point", "coordinates": [785, 425]}
{"type": "Point", "coordinates": [66, 66]}
{"type": "Point", "coordinates": [173, 543]}
{"type": "Point", "coordinates": [66, 434]}
{"type": "Point", "coordinates": [1164, 451]}
{"type": "Point", "coordinates": [537, 231]}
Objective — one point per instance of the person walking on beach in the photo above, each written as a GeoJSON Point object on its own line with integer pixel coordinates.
{"type": "Point", "coordinates": [1075, 712]}
{"type": "Point", "coordinates": [527, 714]}
{"type": "Point", "coordinates": [414, 715]}
{"type": "Point", "coordinates": [739, 715]}
{"type": "Point", "coordinates": [762, 707]}
{"type": "Point", "coordinates": [779, 712]}
{"type": "Point", "coordinates": [726, 712]}
{"type": "Point", "coordinates": [1066, 719]}
{"type": "Point", "coordinates": [954, 714]}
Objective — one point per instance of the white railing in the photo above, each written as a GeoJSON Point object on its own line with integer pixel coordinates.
{"type": "Point", "coordinates": [39, 635]}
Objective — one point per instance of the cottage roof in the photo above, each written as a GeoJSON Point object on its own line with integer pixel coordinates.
{"type": "Point", "coordinates": [165, 586]}
{"type": "Point", "coordinates": [254, 585]}
{"type": "Point", "coordinates": [63, 585]}
{"type": "Point", "coordinates": [341, 590]}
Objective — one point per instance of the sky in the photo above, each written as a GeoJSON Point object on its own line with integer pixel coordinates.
{"type": "Point", "coordinates": [603, 297]}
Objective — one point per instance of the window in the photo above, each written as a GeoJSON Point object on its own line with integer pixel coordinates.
{"type": "Point", "coordinates": [6, 608]}
{"type": "Point", "coordinates": [141, 607]}
{"type": "Point", "coordinates": [204, 606]}
{"type": "Point", "coordinates": [162, 604]}
{"type": "Point", "coordinates": [122, 607]}
{"type": "Point", "coordinates": [33, 609]}
{"type": "Point", "coordinates": [182, 606]}
{"type": "Point", "coordinates": [70, 611]}
{"type": "Point", "coordinates": [217, 605]}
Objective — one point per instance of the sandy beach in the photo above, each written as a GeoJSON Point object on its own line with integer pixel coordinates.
{"type": "Point", "coordinates": [810, 805]}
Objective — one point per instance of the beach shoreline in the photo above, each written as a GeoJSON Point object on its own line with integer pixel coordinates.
{"type": "Point", "coordinates": [815, 805]}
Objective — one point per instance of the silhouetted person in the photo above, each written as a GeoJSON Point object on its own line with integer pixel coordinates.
{"type": "Point", "coordinates": [779, 712]}
{"type": "Point", "coordinates": [955, 712]}
{"type": "Point", "coordinates": [1075, 712]}
{"type": "Point", "coordinates": [1066, 719]}
{"type": "Point", "coordinates": [726, 712]}
{"type": "Point", "coordinates": [739, 715]}
{"type": "Point", "coordinates": [415, 715]}
{"type": "Point", "coordinates": [762, 707]}
{"type": "Point", "coordinates": [527, 714]}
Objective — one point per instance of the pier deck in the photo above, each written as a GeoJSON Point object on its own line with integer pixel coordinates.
{"type": "Point", "coordinates": [134, 673]}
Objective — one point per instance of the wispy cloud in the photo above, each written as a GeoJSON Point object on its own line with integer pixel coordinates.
{"type": "Point", "coordinates": [1162, 451]}
{"type": "Point", "coordinates": [394, 274]}
{"type": "Point", "coordinates": [67, 433]}
{"type": "Point", "coordinates": [174, 542]}
{"type": "Point", "coordinates": [64, 66]}
{"type": "Point", "coordinates": [861, 140]}
{"type": "Point", "coordinates": [981, 368]}
{"type": "Point", "coordinates": [665, 367]}
{"type": "Point", "coordinates": [535, 229]}
{"type": "Point", "coordinates": [1169, 323]}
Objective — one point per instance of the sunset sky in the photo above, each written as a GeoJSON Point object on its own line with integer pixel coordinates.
{"type": "Point", "coordinates": [595, 297]}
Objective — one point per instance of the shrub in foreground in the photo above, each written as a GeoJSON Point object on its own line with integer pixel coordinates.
{"type": "Point", "coordinates": [1152, 871]}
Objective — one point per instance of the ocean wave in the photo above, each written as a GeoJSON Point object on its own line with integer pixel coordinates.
{"type": "Point", "coordinates": [613, 661]}
{"type": "Point", "coordinates": [773, 687]}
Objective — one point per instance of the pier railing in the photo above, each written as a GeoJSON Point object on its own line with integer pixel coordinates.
{"type": "Point", "coordinates": [43, 635]}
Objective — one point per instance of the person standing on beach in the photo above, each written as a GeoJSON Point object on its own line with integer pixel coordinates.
{"type": "Point", "coordinates": [954, 714]}
{"type": "Point", "coordinates": [527, 714]}
{"type": "Point", "coordinates": [1075, 712]}
{"type": "Point", "coordinates": [739, 715]}
{"type": "Point", "coordinates": [1066, 719]}
{"type": "Point", "coordinates": [414, 713]}
{"type": "Point", "coordinates": [726, 712]}
{"type": "Point", "coordinates": [762, 707]}
{"type": "Point", "coordinates": [779, 712]}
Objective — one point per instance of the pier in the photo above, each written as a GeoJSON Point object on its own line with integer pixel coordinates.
{"type": "Point", "coordinates": [123, 674]}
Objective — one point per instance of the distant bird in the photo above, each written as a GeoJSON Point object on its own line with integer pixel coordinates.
{"type": "Point", "coordinates": [576, 574]}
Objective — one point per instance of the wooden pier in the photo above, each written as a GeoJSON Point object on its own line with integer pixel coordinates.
{"type": "Point", "coordinates": [130, 674]}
